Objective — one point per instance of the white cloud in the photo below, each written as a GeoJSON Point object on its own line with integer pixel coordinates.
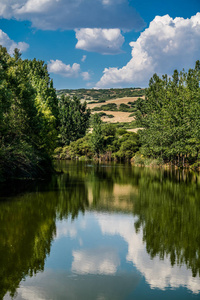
{"type": "Point", "coordinates": [34, 6]}
{"type": "Point", "coordinates": [165, 45]}
{"type": "Point", "coordinates": [158, 273]}
{"type": "Point", "coordinates": [65, 229]}
{"type": "Point", "coordinates": [85, 75]}
{"type": "Point", "coordinates": [104, 41]}
{"type": "Point", "coordinates": [58, 67]}
{"type": "Point", "coordinates": [83, 58]}
{"type": "Point", "coordinates": [95, 261]}
{"type": "Point", "coordinates": [5, 41]}
{"type": "Point", "coordinates": [70, 14]}
{"type": "Point", "coordinates": [30, 293]}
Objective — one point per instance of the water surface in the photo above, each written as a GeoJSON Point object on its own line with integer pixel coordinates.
{"type": "Point", "coordinates": [101, 232]}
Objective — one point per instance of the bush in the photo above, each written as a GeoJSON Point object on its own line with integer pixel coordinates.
{"type": "Point", "coordinates": [141, 160]}
{"type": "Point", "coordinates": [109, 130]}
{"type": "Point", "coordinates": [125, 108]}
{"type": "Point", "coordinates": [101, 101]}
{"type": "Point", "coordinates": [106, 107]}
{"type": "Point", "coordinates": [102, 114]}
{"type": "Point", "coordinates": [138, 159]}
{"type": "Point", "coordinates": [97, 108]}
{"type": "Point", "coordinates": [121, 131]}
{"type": "Point", "coordinates": [110, 106]}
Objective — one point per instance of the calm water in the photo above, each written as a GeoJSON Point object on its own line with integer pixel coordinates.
{"type": "Point", "coordinates": [101, 232]}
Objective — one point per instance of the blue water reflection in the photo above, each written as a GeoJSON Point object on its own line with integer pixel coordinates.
{"type": "Point", "coordinates": [97, 250]}
{"type": "Point", "coordinates": [99, 256]}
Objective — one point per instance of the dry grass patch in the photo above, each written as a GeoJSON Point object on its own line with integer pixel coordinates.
{"type": "Point", "coordinates": [117, 101]}
{"type": "Point", "coordinates": [119, 116]}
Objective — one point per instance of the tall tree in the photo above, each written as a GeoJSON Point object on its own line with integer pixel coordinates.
{"type": "Point", "coordinates": [97, 138]}
{"type": "Point", "coordinates": [74, 119]}
{"type": "Point", "coordinates": [170, 118]}
{"type": "Point", "coordinates": [27, 119]}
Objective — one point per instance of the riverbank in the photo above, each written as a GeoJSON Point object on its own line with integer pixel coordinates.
{"type": "Point", "coordinates": [137, 160]}
{"type": "Point", "coordinates": [24, 168]}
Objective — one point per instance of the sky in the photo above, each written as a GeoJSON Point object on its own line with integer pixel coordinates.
{"type": "Point", "coordinates": [103, 43]}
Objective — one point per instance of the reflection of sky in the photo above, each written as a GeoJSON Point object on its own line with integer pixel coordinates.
{"type": "Point", "coordinates": [95, 261]}
{"type": "Point", "coordinates": [98, 256]}
{"type": "Point", "coordinates": [29, 293]}
{"type": "Point", "coordinates": [158, 273]}
{"type": "Point", "coordinates": [65, 229]}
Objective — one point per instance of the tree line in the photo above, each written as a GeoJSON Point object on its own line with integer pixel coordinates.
{"type": "Point", "coordinates": [170, 122]}
{"type": "Point", "coordinates": [154, 207]}
{"type": "Point", "coordinates": [32, 119]}
{"type": "Point", "coordinates": [170, 117]}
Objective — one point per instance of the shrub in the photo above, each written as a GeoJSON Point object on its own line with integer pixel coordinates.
{"type": "Point", "coordinates": [125, 108]}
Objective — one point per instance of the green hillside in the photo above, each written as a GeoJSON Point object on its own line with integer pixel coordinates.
{"type": "Point", "coordinates": [102, 95]}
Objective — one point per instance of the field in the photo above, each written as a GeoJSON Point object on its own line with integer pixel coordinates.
{"type": "Point", "coordinates": [114, 105]}
{"type": "Point", "coordinates": [118, 101]}
{"type": "Point", "coordinates": [118, 116]}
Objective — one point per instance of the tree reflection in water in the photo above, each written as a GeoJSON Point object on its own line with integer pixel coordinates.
{"type": "Point", "coordinates": [168, 208]}
{"type": "Point", "coordinates": [166, 203]}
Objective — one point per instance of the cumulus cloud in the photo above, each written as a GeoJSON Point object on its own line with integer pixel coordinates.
{"type": "Point", "coordinates": [5, 41]}
{"type": "Point", "coordinates": [165, 45]}
{"type": "Point", "coordinates": [68, 14]}
{"type": "Point", "coordinates": [60, 68]}
{"type": "Point", "coordinates": [104, 41]}
{"type": "Point", "coordinates": [158, 273]}
{"type": "Point", "coordinates": [95, 261]}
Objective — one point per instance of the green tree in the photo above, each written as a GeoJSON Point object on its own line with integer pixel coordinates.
{"type": "Point", "coordinates": [168, 208]}
{"type": "Point", "coordinates": [169, 116]}
{"type": "Point", "coordinates": [97, 135]}
{"type": "Point", "coordinates": [27, 119]}
{"type": "Point", "coordinates": [74, 119]}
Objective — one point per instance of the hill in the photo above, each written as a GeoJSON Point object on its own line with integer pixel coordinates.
{"type": "Point", "coordinates": [113, 105]}
{"type": "Point", "coordinates": [102, 95]}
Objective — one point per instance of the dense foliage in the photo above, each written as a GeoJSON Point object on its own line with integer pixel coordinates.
{"type": "Point", "coordinates": [106, 142]}
{"type": "Point", "coordinates": [170, 117]}
{"type": "Point", "coordinates": [168, 211]}
{"type": "Point", "coordinates": [28, 116]}
{"type": "Point", "coordinates": [74, 119]}
{"type": "Point", "coordinates": [97, 136]}
{"type": "Point", "coordinates": [34, 121]}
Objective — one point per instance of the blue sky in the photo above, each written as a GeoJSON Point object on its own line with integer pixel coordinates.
{"type": "Point", "coordinates": [103, 43]}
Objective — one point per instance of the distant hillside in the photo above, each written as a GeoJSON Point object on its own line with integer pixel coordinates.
{"type": "Point", "coordinates": [102, 95]}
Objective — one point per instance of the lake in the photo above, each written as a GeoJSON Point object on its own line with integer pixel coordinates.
{"type": "Point", "coordinates": [101, 232]}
